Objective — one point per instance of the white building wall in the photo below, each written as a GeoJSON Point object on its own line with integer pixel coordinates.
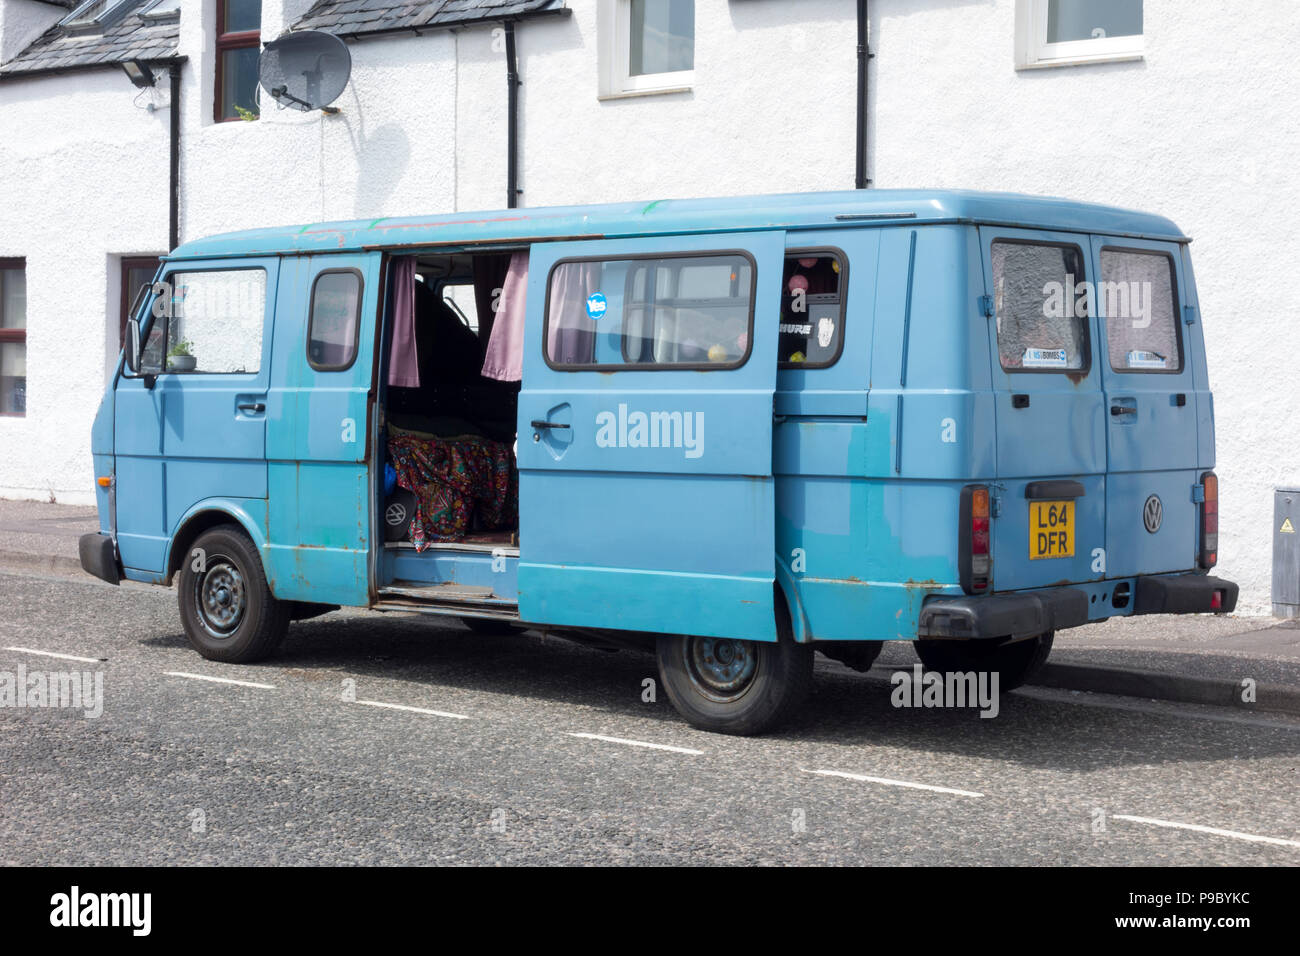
{"type": "Point", "coordinates": [1203, 129]}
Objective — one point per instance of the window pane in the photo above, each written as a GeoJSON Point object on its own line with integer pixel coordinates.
{"type": "Point", "coordinates": [1041, 318]}
{"type": "Point", "coordinates": [662, 36]}
{"type": "Point", "coordinates": [811, 311]}
{"type": "Point", "coordinates": [13, 299]}
{"type": "Point", "coordinates": [238, 81]}
{"type": "Point", "coordinates": [1137, 297]}
{"type": "Point", "coordinates": [243, 15]}
{"type": "Point", "coordinates": [679, 310]}
{"type": "Point", "coordinates": [1092, 19]}
{"type": "Point", "coordinates": [13, 378]}
{"type": "Point", "coordinates": [217, 318]}
{"type": "Point", "coordinates": [332, 329]}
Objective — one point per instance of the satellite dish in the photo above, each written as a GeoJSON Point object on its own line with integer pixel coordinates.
{"type": "Point", "coordinates": [307, 70]}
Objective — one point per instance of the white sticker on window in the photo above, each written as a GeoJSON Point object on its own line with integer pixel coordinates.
{"type": "Point", "coordinates": [1140, 358]}
{"type": "Point", "coordinates": [1044, 358]}
{"type": "Point", "coordinates": [825, 332]}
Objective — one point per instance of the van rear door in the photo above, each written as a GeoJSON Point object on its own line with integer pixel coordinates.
{"type": "Point", "coordinates": [1050, 523]}
{"type": "Point", "coordinates": [1148, 376]}
{"type": "Point", "coordinates": [645, 434]}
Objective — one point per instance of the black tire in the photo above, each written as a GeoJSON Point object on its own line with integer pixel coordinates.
{"type": "Point", "coordinates": [1014, 663]}
{"type": "Point", "coordinates": [489, 627]}
{"type": "Point", "coordinates": [227, 608]}
{"type": "Point", "coordinates": [735, 687]}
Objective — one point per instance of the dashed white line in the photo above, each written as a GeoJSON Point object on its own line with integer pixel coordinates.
{"type": "Point", "coordinates": [894, 783]}
{"type": "Point", "coordinates": [220, 680]}
{"type": "Point", "coordinates": [639, 743]}
{"type": "Point", "coordinates": [414, 710]}
{"type": "Point", "coordinates": [1214, 831]}
{"type": "Point", "coordinates": [62, 657]}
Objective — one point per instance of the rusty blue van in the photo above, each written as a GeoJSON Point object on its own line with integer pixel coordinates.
{"type": "Point", "coordinates": [731, 431]}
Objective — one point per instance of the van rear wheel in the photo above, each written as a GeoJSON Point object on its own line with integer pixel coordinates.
{"type": "Point", "coordinates": [734, 687]}
{"type": "Point", "coordinates": [227, 608]}
{"type": "Point", "coordinates": [1014, 663]}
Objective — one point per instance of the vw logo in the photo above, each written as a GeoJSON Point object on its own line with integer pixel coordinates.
{"type": "Point", "coordinates": [396, 513]}
{"type": "Point", "coordinates": [1153, 513]}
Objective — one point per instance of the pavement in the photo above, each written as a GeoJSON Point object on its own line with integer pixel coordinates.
{"type": "Point", "coordinates": [1193, 659]}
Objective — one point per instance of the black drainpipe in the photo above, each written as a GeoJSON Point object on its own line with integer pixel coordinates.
{"type": "Point", "coordinates": [512, 118]}
{"type": "Point", "coordinates": [174, 224]}
{"type": "Point", "coordinates": [864, 57]}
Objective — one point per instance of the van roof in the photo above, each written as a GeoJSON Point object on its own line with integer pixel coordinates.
{"type": "Point", "coordinates": [790, 211]}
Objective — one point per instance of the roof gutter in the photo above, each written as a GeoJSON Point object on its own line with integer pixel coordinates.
{"type": "Point", "coordinates": [453, 25]}
{"type": "Point", "coordinates": [82, 68]}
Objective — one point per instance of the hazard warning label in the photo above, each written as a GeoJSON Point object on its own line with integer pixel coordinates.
{"type": "Point", "coordinates": [1287, 527]}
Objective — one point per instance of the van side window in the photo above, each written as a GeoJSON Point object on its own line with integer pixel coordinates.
{"type": "Point", "coordinates": [216, 320]}
{"type": "Point", "coordinates": [1042, 320]}
{"type": "Point", "coordinates": [812, 310]}
{"type": "Point", "coordinates": [333, 323]}
{"type": "Point", "coordinates": [646, 313]}
{"type": "Point", "coordinates": [1137, 293]}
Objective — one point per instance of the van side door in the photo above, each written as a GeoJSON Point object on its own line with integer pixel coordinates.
{"type": "Point", "coordinates": [1149, 377]}
{"type": "Point", "coordinates": [319, 512]}
{"type": "Point", "coordinates": [199, 433]}
{"type": "Point", "coordinates": [645, 434]}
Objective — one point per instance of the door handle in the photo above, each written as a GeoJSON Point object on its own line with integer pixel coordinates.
{"type": "Point", "coordinates": [254, 408]}
{"type": "Point", "coordinates": [1118, 410]}
{"type": "Point", "coordinates": [536, 423]}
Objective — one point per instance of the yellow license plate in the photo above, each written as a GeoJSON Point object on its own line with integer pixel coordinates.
{"type": "Point", "coordinates": [1051, 529]}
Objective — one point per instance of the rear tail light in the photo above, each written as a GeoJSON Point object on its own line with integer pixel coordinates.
{"type": "Point", "coordinates": [973, 560]}
{"type": "Point", "coordinates": [1209, 520]}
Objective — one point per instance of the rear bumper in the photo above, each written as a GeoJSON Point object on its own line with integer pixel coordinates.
{"type": "Point", "coordinates": [1026, 614]}
{"type": "Point", "coordinates": [97, 557]}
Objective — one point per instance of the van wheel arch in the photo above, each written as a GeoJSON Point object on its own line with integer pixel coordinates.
{"type": "Point", "coordinates": [189, 532]}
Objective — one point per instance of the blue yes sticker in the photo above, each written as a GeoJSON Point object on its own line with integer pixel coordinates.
{"type": "Point", "coordinates": [596, 305]}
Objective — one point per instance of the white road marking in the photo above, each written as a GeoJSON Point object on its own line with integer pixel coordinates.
{"type": "Point", "coordinates": [414, 710]}
{"type": "Point", "coordinates": [220, 680]}
{"type": "Point", "coordinates": [639, 743]}
{"type": "Point", "coordinates": [1215, 831]}
{"type": "Point", "coordinates": [62, 657]}
{"type": "Point", "coordinates": [894, 783]}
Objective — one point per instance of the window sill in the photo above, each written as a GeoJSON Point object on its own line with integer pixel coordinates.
{"type": "Point", "coordinates": [1047, 64]}
{"type": "Point", "coordinates": [630, 94]}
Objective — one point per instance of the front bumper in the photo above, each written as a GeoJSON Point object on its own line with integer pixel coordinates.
{"type": "Point", "coordinates": [1014, 616]}
{"type": "Point", "coordinates": [97, 557]}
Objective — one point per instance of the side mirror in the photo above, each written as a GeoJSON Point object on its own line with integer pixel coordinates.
{"type": "Point", "coordinates": [132, 347]}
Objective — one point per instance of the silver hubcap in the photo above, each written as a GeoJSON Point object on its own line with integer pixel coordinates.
{"type": "Point", "coordinates": [220, 597]}
{"type": "Point", "coordinates": [722, 669]}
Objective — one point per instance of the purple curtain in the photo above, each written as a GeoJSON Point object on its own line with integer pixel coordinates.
{"type": "Point", "coordinates": [572, 334]}
{"type": "Point", "coordinates": [505, 351]}
{"type": "Point", "coordinates": [403, 360]}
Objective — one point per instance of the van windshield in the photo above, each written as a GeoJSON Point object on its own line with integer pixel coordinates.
{"type": "Point", "coordinates": [1042, 321]}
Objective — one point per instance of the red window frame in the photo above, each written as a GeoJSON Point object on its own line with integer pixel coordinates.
{"type": "Point", "coordinates": [13, 335]}
{"type": "Point", "coordinates": [150, 263]}
{"type": "Point", "coordinates": [228, 41]}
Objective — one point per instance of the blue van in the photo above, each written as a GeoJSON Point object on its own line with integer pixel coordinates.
{"type": "Point", "coordinates": [731, 431]}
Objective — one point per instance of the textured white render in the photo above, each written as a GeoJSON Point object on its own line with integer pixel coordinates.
{"type": "Point", "coordinates": [1205, 129]}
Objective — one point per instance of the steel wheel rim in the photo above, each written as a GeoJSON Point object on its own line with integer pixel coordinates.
{"type": "Point", "coordinates": [220, 597]}
{"type": "Point", "coordinates": [722, 669]}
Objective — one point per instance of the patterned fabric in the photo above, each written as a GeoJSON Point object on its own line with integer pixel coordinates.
{"type": "Point", "coordinates": [456, 480]}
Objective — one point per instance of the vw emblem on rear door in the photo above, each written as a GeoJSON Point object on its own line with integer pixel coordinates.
{"type": "Point", "coordinates": [395, 514]}
{"type": "Point", "coordinates": [1153, 513]}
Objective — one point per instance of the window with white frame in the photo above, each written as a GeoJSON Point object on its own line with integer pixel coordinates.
{"type": "Point", "coordinates": [1073, 32]}
{"type": "Point", "coordinates": [647, 46]}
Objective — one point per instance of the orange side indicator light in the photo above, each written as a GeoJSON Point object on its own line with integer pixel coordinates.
{"type": "Point", "coordinates": [104, 482]}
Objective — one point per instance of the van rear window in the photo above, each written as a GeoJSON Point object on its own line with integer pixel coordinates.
{"type": "Point", "coordinates": [1137, 298]}
{"type": "Point", "coordinates": [653, 312]}
{"type": "Point", "coordinates": [1042, 321]}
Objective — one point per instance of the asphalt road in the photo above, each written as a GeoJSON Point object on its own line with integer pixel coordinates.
{"type": "Point", "coordinates": [319, 766]}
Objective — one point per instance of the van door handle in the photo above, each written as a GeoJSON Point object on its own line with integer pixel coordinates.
{"type": "Point", "coordinates": [1118, 410]}
{"type": "Point", "coordinates": [253, 408]}
{"type": "Point", "coordinates": [536, 423]}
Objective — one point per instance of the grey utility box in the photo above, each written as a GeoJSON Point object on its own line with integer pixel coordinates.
{"type": "Point", "coordinates": [1286, 552]}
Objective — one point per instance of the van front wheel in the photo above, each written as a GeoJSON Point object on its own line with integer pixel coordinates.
{"type": "Point", "coordinates": [734, 687]}
{"type": "Point", "coordinates": [1014, 663]}
{"type": "Point", "coordinates": [227, 608]}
